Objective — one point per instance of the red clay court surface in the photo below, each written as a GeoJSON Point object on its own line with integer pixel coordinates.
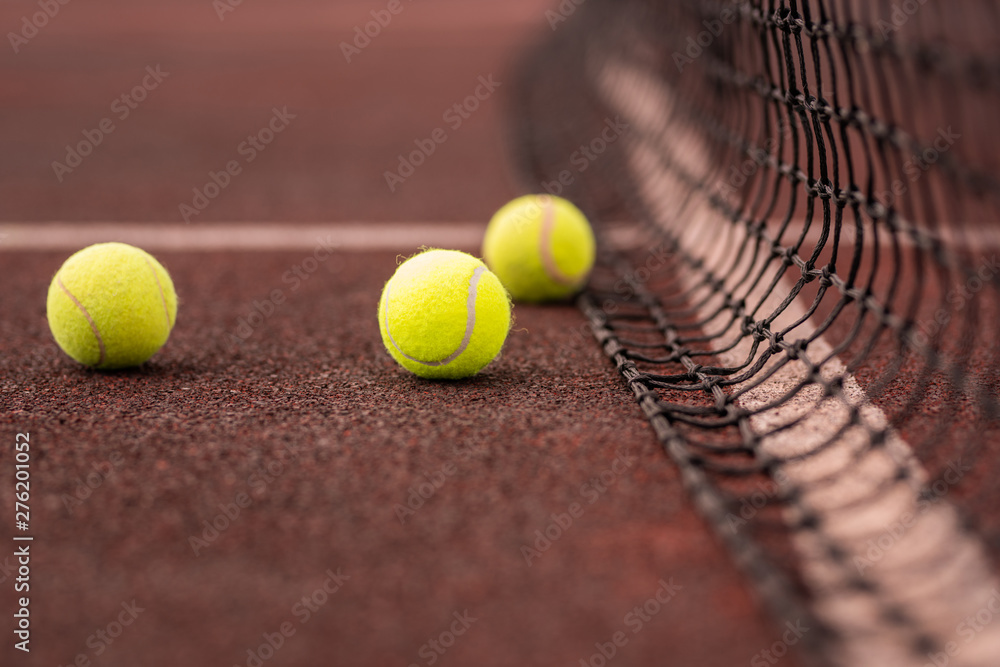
{"type": "Point", "coordinates": [309, 417]}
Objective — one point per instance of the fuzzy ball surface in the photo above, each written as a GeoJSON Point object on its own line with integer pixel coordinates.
{"type": "Point", "coordinates": [111, 305]}
{"type": "Point", "coordinates": [444, 315]}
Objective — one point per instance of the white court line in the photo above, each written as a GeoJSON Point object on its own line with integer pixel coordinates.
{"type": "Point", "coordinates": [153, 236]}
{"type": "Point", "coordinates": [960, 581]}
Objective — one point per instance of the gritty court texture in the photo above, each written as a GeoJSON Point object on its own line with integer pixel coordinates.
{"type": "Point", "coordinates": [237, 500]}
{"type": "Point", "coordinates": [273, 490]}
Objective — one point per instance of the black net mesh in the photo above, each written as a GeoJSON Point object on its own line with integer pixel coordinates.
{"type": "Point", "coordinates": [798, 279]}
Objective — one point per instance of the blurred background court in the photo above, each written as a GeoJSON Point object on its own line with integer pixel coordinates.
{"type": "Point", "coordinates": [352, 119]}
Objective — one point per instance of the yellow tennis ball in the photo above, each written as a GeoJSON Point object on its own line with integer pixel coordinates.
{"type": "Point", "coordinates": [111, 305]}
{"type": "Point", "coordinates": [541, 247]}
{"type": "Point", "coordinates": [443, 315]}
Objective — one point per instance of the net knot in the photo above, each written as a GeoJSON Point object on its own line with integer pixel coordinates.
{"type": "Point", "coordinates": [793, 351]}
{"type": "Point", "coordinates": [796, 100]}
{"type": "Point", "coordinates": [929, 58]}
{"type": "Point", "coordinates": [823, 109]}
{"type": "Point", "coordinates": [711, 382]}
{"type": "Point", "coordinates": [762, 86]}
{"type": "Point", "coordinates": [809, 521]}
{"type": "Point", "coordinates": [833, 388]}
{"type": "Point", "coordinates": [876, 210]}
{"type": "Point", "coordinates": [826, 277]}
{"type": "Point", "coordinates": [788, 22]}
{"type": "Point", "coordinates": [788, 256]}
{"type": "Point", "coordinates": [880, 130]}
{"type": "Point", "coordinates": [824, 30]}
{"type": "Point", "coordinates": [858, 118]}
{"type": "Point", "coordinates": [822, 188]}
{"type": "Point", "coordinates": [752, 327]}
{"type": "Point", "coordinates": [844, 115]}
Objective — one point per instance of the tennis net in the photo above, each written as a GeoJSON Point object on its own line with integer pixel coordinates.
{"type": "Point", "coordinates": [798, 279]}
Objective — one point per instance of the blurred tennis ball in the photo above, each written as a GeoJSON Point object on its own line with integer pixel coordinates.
{"type": "Point", "coordinates": [541, 247]}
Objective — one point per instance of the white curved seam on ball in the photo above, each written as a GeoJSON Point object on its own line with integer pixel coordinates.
{"type": "Point", "coordinates": [470, 323]}
{"type": "Point", "coordinates": [548, 228]}
{"type": "Point", "coordinates": [163, 297]}
{"type": "Point", "coordinates": [90, 320]}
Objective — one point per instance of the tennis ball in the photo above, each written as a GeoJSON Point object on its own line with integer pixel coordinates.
{"type": "Point", "coordinates": [443, 315]}
{"type": "Point", "coordinates": [111, 305]}
{"type": "Point", "coordinates": [541, 247]}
